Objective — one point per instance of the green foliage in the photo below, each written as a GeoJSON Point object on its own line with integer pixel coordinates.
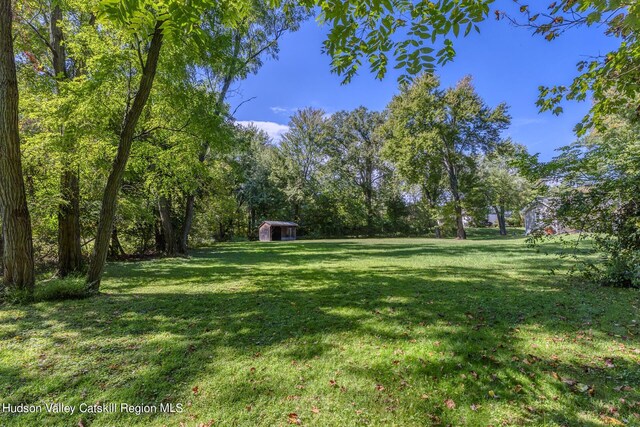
{"type": "Point", "coordinates": [412, 36]}
{"type": "Point", "coordinates": [611, 79]}
{"type": "Point", "coordinates": [500, 184]}
{"type": "Point", "coordinates": [434, 135]}
{"type": "Point", "coordinates": [600, 176]}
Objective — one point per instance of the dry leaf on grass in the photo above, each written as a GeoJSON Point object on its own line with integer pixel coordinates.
{"type": "Point", "coordinates": [294, 419]}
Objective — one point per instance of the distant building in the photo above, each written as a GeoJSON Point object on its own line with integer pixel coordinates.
{"type": "Point", "coordinates": [277, 230]}
{"type": "Point", "coordinates": [539, 215]}
{"type": "Point", "coordinates": [492, 217]}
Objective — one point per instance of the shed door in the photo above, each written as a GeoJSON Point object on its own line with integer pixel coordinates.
{"type": "Point", "coordinates": [276, 233]}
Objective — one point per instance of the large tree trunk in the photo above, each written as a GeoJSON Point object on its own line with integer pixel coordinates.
{"type": "Point", "coordinates": [18, 244]}
{"type": "Point", "coordinates": [501, 221]}
{"type": "Point", "coordinates": [457, 205]}
{"type": "Point", "coordinates": [69, 245]}
{"type": "Point", "coordinates": [167, 228]}
{"type": "Point", "coordinates": [1, 242]}
{"type": "Point", "coordinates": [109, 198]}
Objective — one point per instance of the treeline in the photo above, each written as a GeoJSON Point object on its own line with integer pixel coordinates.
{"type": "Point", "coordinates": [432, 162]}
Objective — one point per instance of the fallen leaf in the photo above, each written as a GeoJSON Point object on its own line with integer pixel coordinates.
{"type": "Point", "coordinates": [315, 410]}
{"type": "Point", "coordinates": [195, 390]}
{"type": "Point", "coordinates": [517, 389]}
{"type": "Point", "coordinates": [333, 383]}
{"type": "Point", "coordinates": [611, 421]}
{"type": "Point", "coordinates": [293, 419]}
{"type": "Point", "coordinates": [450, 404]}
{"type": "Point", "coordinates": [379, 387]}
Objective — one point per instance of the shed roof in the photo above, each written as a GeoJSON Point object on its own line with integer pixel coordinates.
{"type": "Point", "coordinates": [279, 223]}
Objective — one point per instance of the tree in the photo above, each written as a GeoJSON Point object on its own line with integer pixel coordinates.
{"type": "Point", "coordinates": [169, 19]}
{"type": "Point", "coordinates": [502, 186]}
{"type": "Point", "coordinates": [246, 46]}
{"type": "Point", "coordinates": [51, 31]}
{"type": "Point", "coordinates": [18, 245]}
{"type": "Point", "coordinates": [300, 157]}
{"type": "Point", "coordinates": [256, 189]}
{"type": "Point", "coordinates": [446, 126]}
{"type": "Point", "coordinates": [353, 147]}
{"type": "Point", "coordinates": [599, 189]}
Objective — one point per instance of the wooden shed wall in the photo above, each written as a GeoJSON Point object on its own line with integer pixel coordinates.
{"type": "Point", "coordinates": [265, 233]}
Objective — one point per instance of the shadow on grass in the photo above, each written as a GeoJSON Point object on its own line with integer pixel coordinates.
{"type": "Point", "coordinates": [149, 346]}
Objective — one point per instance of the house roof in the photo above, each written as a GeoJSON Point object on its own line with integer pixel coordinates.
{"type": "Point", "coordinates": [279, 223]}
{"type": "Point", "coordinates": [536, 203]}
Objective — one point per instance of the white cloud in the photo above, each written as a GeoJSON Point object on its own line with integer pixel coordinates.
{"type": "Point", "coordinates": [273, 129]}
{"type": "Point", "coordinates": [281, 110]}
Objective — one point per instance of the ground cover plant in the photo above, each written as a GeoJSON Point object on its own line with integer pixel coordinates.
{"type": "Point", "coordinates": [334, 332]}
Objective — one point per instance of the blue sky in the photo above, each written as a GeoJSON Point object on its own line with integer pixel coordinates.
{"type": "Point", "coordinates": [507, 64]}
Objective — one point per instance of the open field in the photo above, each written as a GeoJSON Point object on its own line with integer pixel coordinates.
{"type": "Point", "coordinates": [406, 332]}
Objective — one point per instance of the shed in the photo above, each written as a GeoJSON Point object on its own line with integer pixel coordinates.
{"type": "Point", "coordinates": [277, 230]}
{"type": "Point", "coordinates": [539, 215]}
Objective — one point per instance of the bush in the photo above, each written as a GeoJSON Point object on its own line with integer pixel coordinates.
{"type": "Point", "coordinates": [621, 270]}
{"type": "Point", "coordinates": [60, 289]}
{"type": "Point", "coordinates": [515, 220]}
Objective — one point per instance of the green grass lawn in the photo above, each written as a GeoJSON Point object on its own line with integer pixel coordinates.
{"type": "Point", "coordinates": [405, 332]}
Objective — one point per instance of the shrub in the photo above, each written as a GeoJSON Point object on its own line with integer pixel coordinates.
{"type": "Point", "coordinates": [60, 289]}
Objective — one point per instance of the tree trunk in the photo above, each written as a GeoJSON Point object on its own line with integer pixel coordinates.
{"type": "Point", "coordinates": [18, 251]}
{"type": "Point", "coordinates": [252, 224]}
{"type": "Point", "coordinates": [116, 249]}
{"type": "Point", "coordinates": [453, 182]}
{"type": "Point", "coordinates": [69, 246]}
{"type": "Point", "coordinates": [368, 201]}
{"type": "Point", "coordinates": [167, 228]}
{"type": "Point", "coordinates": [1, 243]}
{"type": "Point", "coordinates": [438, 231]}
{"type": "Point", "coordinates": [183, 244]}
{"type": "Point", "coordinates": [501, 221]}
{"type": "Point", "coordinates": [109, 198]}
{"type": "Point", "coordinates": [159, 237]}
